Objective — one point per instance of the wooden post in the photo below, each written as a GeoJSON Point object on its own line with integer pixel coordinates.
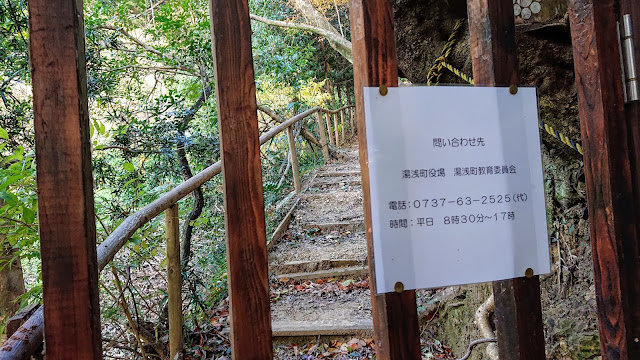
{"type": "Point", "coordinates": [352, 124]}
{"type": "Point", "coordinates": [174, 280]}
{"type": "Point", "coordinates": [65, 182]}
{"type": "Point", "coordinates": [323, 136]}
{"type": "Point", "coordinates": [395, 318]}
{"type": "Point", "coordinates": [335, 129]}
{"type": "Point", "coordinates": [294, 160]}
{"type": "Point", "coordinates": [493, 52]}
{"type": "Point", "coordinates": [342, 125]}
{"type": "Point", "coordinates": [631, 264]}
{"type": "Point", "coordinates": [328, 118]}
{"type": "Point", "coordinates": [611, 151]}
{"type": "Point", "coordinates": [248, 273]}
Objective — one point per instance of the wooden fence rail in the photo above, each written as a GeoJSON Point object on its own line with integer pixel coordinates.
{"type": "Point", "coordinates": [28, 338]}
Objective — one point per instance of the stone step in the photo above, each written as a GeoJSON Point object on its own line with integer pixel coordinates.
{"type": "Point", "coordinates": [338, 173]}
{"type": "Point", "coordinates": [341, 226]}
{"type": "Point", "coordinates": [342, 180]}
{"type": "Point", "coordinates": [284, 328]}
{"type": "Point", "coordinates": [316, 246]}
{"type": "Point", "coordinates": [330, 273]}
{"type": "Point", "coordinates": [310, 266]}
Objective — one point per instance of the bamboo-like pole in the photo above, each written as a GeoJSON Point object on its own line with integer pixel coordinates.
{"type": "Point", "coordinates": [174, 281]}
{"type": "Point", "coordinates": [323, 136]}
{"type": "Point", "coordinates": [342, 125]}
{"type": "Point", "coordinates": [328, 118]}
{"type": "Point", "coordinates": [335, 129]}
{"type": "Point", "coordinates": [352, 124]}
{"type": "Point", "coordinates": [294, 160]}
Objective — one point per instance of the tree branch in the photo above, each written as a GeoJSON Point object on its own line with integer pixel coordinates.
{"type": "Point", "coordinates": [139, 42]}
{"type": "Point", "coordinates": [147, 48]}
{"type": "Point", "coordinates": [339, 43]}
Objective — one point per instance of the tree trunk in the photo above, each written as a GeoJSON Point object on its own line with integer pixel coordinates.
{"type": "Point", "coordinates": [198, 204]}
{"type": "Point", "coordinates": [11, 281]}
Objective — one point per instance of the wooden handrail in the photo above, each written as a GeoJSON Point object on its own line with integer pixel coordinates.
{"type": "Point", "coordinates": [26, 340]}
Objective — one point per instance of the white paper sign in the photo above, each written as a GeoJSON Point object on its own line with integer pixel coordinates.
{"type": "Point", "coordinates": [457, 192]}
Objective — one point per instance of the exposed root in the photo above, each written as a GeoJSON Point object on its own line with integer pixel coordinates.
{"type": "Point", "coordinates": [474, 344]}
{"type": "Point", "coordinates": [482, 322]}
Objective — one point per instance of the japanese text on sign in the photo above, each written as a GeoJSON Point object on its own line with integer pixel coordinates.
{"type": "Point", "coordinates": [465, 206]}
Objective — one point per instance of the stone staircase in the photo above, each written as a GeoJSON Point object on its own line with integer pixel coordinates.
{"type": "Point", "coordinates": [319, 266]}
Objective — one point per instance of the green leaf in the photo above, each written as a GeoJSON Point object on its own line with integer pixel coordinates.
{"type": "Point", "coordinates": [129, 167]}
{"type": "Point", "coordinates": [28, 215]}
{"type": "Point", "coordinates": [9, 198]}
{"type": "Point", "coordinates": [130, 181]}
{"type": "Point", "coordinates": [4, 134]}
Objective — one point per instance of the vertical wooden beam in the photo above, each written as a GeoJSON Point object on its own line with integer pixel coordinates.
{"type": "Point", "coordinates": [65, 182]}
{"type": "Point", "coordinates": [242, 178]}
{"type": "Point", "coordinates": [493, 52]}
{"type": "Point", "coordinates": [631, 249]}
{"type": "Point", "coordinates": [174, 280]}
{"type": "Point", "coordinates": [608, 159]}
{"type": "Point", "coordinates": [328, 118]}
{"type": "Point", "coordinates": [395, 318]}
{"type": "Point", "coordinates": [294, 160]}
{"type": "Point", "coordinates": [323, 136]}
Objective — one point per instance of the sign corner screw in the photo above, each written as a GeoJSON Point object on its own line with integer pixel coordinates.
{"type": "Point", "coordinates": [383, 90]}
{"type": "Point", "coordinates": [513, 89]}
{"type": "Point", "coordinates": [399, 287]}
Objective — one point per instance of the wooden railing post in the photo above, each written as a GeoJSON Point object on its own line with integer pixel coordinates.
{"type": "Point", "coordinates": [335, 129]}
{"type": "Point", "coordinates": [518, 310]}
{"type": "Point", "coordinates": [352, 124]}
{"type": "Point", "coordinates": [343, 126]}
{"type": "Point", "coordinates": [294, 160]}
{"type": "Point", "coordinates": [611, 150]}
{"type": "Point", "coordinates": [323, 136]}
{"type": "Point", "coordinates": [246, 237]}
{"type": "Point", "coordinates": [328, 118]}
{"type": "Point", "coordinates": [65, 182]}
{"type": "Point", "coordinates": [174, 279]}
{"type": "Point", "coordinates": [395, 317]}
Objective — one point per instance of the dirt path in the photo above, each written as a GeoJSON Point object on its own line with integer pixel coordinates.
{"type": "Point", "coordinates": [319, 281]}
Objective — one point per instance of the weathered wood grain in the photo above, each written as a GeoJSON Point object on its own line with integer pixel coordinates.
{"type": "Point", "coordinates": [65, 182]}
{"type": "Point", "coordinates": [610, 149]}
{"type": "Point", "coordinates": [375, 63]}
{"type": "Point", "coordinates": [248, 275]}
{"type": "Point", "coordinates": [518, 310]}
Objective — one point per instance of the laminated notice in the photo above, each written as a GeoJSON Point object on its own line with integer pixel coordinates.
{"type": "Point", "coordinates": [457, 191]}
